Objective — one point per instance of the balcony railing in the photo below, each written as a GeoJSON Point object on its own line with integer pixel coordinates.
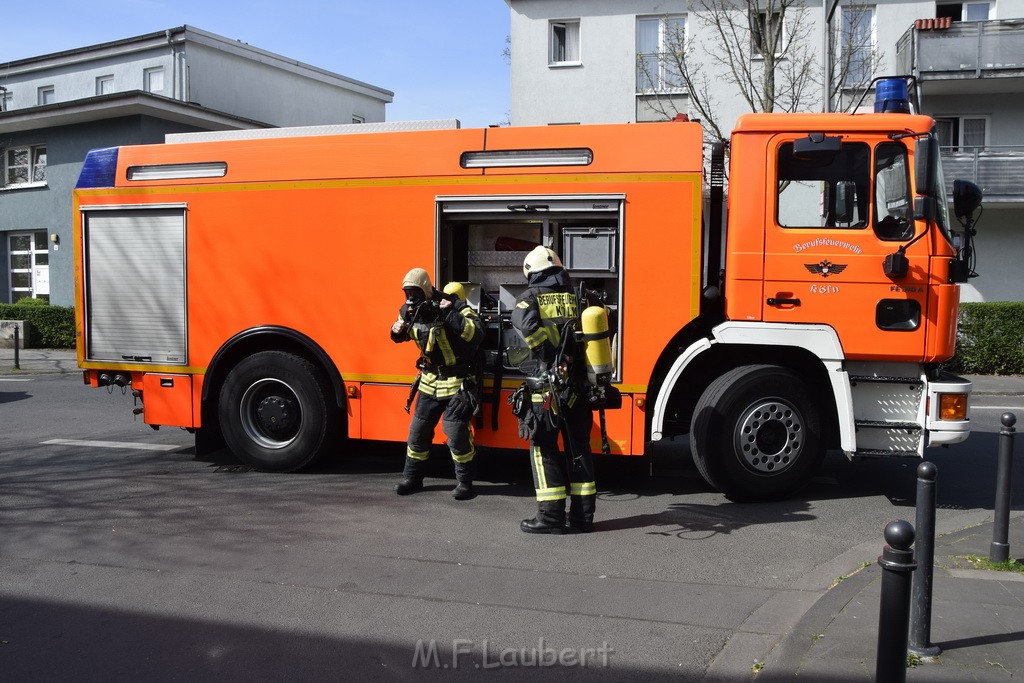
{"type": "Point", "coordinates": [968, 49]}
{"type": "Point", "coordinates": [996, 170]}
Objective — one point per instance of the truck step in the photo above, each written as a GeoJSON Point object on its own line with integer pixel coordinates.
{"type": "Point", "coordinates": [882, 424]}
{"type": "Point", "coordinates": [885, 379]}
{"type": "Point", "coordinates": [872, 453]}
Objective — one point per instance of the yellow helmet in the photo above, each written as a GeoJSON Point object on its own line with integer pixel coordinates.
{"type": "Point", "coordinates": [541, 258]}
{"type": "Point", "coordinates": [417, 277]}
{"type": "Point", "coordinates": [456, 288]}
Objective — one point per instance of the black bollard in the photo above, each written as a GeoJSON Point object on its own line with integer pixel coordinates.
{"type": "Point", "coordinates": [897, 561]}
{"type": "Point", "coordinates": [924, 555]}
{"type": "Point", "coordinates": [999, 551]}
{"type": "Point", "coordinates": [17, 364]}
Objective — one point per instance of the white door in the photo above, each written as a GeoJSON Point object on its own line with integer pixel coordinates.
{"type": "Point", "coordinates": [28, 266]}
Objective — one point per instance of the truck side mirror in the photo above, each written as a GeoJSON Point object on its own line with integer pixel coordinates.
{"type": "Point", "coordinates": [846, 197]}
{"type": "Point", "coordinates": [926, 151]}
{"type": "Point", "coordinates": [966, 198]}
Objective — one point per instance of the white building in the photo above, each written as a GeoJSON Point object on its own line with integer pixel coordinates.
{"type": "Point", "coordinates": [580, 62]}
{"type": "Point", "coordinates": [54, 108]}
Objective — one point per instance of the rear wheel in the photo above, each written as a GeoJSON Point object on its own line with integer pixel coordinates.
{"type": "Point", "coordinates": [277, 412]}
{"type": "Point", "coordinates": [756, 433]}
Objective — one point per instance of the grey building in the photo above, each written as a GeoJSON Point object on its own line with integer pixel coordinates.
{"type": "Point", "coordinates": [54, 108]}
{"type": "Point", "coordinates": [582, 62]}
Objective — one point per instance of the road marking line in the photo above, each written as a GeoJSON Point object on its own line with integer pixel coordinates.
{"type": "Point", "coordinates": [5, 379]}
{"type": "Point", "coordinates": [109, 444]}
{"type": "Point", "coordinates": [996, 408]}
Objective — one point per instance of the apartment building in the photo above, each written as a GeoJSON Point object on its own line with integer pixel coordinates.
{"type": "Point", "coordinates": [56, 107]}
{"type": "Point", "coordinates": [605, 61]}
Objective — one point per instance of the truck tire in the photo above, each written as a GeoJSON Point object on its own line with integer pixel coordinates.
{"type": "Point", "coordinates": [277, 412]}
{"type": "Point", "coordinates": [756, 433]}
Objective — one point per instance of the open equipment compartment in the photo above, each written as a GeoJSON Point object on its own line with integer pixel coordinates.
{"type": "Point", "coordinates": [484, 240]}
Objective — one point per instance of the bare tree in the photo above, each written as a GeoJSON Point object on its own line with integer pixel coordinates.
{"type": "Point", "coordinates": [767, 50]}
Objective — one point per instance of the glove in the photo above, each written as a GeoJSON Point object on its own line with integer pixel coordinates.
{"type": "Point", "coordinates": [527, 425]}
{"type": "Point", "coordinates": [464, 404]}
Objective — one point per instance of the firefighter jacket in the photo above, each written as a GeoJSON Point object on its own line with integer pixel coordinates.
{"type": "Point", "coordinates": [448, 344]}
{"type": "Point", "coordinates": [542, 312]}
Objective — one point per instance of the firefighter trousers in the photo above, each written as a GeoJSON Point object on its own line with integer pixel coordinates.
{"type": "Point", "coordinates": [429, 410]}
{"type": "Point", "coordinates": [558, 475]}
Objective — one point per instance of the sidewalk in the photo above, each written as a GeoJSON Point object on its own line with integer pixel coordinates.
{"type": "Point", "coordinates": [977, 621]}
{"type": "Point", "coordinates": [38, 361]}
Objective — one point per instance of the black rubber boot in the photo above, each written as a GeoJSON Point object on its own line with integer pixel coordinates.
{"type": "Point", "coordinates": [550, 519]}
{"type": "Point", "coordinates": [409, 486]}
{"type": "Point", "coordinates": [412, 477]}
{"type": "Point", "coordinates": [581, 513]}
{"type": "Point", "coordinates": [463, 491]}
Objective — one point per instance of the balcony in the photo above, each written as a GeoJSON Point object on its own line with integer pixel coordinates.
{"type": "Point", "coordinates": [968, 56]}
{"type": "Point", "coordinates": [996, 170]}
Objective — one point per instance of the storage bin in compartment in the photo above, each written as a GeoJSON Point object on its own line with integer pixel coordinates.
{"type": "Point", "coordinates": [590, 249]}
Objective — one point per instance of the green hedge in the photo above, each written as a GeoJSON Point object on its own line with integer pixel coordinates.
{"type": "Point", "coordinates": [50, 327]}
{"type": "Point", "coordinates": [990, 340]}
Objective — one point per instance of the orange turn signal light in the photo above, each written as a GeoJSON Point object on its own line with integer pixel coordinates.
{"type": "Point", "coordinates": [952, 406]}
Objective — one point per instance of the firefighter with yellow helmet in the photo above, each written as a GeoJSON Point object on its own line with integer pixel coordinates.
{"type": "Point", "coordinates": [448, 333]}
{"type": "Point", "coordinates": [546, 316]}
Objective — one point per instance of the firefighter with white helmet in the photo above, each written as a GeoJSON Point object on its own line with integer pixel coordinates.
{"type": "Point", "coordinates": [546, 316]}
{"type": "Point", "coordinates": [448, 333]}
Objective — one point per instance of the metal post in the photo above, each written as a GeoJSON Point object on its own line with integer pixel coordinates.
{"type": "Point", "coordinates": [999, 551]}
{"type": "Point", "coordinates": [897, 561]}
{"type": "Point", "coordinates": [924, 555]}
{"type": "Point", "coordinates": [17, 362]}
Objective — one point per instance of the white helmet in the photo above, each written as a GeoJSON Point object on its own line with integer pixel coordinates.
{"type": "Point", "coordinates": [541, 258]}
{"type": "Point", "coordinates": [417, 277]}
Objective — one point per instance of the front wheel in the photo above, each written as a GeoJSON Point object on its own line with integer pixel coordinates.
{"type": "Point", "coordinates": [277, 412]}
{"type": "Point", "coordinates": [756, 433]}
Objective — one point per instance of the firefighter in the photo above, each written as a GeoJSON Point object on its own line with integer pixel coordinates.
{"type": "Point", "coordinates": [448, 333]}
{"type": "Point", "coordinates": [545, 316]}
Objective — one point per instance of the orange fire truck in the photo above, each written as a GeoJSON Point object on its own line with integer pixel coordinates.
{"type": "Point", "coordinates": [242, 284]}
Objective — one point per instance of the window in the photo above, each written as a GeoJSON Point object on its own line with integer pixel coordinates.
{"type": "Point", "coordinates": [29, 265]}
{"type": "Point", "coordinates": [767, 34]}
{"type": "Point", "coordinates": [6, 99]}
{"type": "Point", "coordinates": [893, 216]}
{"type": "Point", "coordinates": [857, 46]}
{"type": "Point", "coordinates": [24, 165]}
{"type": "Point", "coordinates": [153, 79]}
{"type": "Point", "coordinates": [356, 118]}
{"type": "Point", "coordinates": [964, 11]}
{"type": "Point", "coordinates": [824, 191]}
{"type": "Point", "coordinates": [660, 49]}
{"type": "Point", "coordinates": [104, 85]}
{"type": "Point", "coordinates": [565, 42]}
{"type": "Point", "coordinates": [46, 95]}
{"type": "Point", "coordinates": [962, 133]}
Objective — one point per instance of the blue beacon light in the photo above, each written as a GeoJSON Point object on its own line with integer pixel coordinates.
{"type": "Point", "coordinates": [891, 96]}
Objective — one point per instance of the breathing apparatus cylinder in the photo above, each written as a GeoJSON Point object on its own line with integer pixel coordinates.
{"type": "Point", "coordinates": [597, 345]}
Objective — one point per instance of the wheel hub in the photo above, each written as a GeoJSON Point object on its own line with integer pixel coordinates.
{"type": "Point", "coordinates": [270, 413]}
{"type": "Point", "coordinates": [275, 415]}
{"type": "Point", "coordinates": [770, 437]}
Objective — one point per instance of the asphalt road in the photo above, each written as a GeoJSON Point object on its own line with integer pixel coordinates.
{"type": "Point", "coordinates": [130, 559]}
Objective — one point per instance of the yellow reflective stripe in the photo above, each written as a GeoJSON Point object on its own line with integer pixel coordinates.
{"type": "Point", "coordinates": [465, 457]}
{"type": "Point", "coordinates": [586, 488]}
{"type": "Point", "coordinates": [555, 493]}
{"type": "Point", "coordinates": [538, 467]}
{"type": "Point", "coordinates": [538, 397]}
{"type": "Point", "coordinates": [537, 338]}
{"type": "Point", "coordinates": [468, 331]}
{"type": "Point", "coordinates": [431, 385]}
{"type": "Point", "coordinates": [446, 347]}
{"type": "Point", "coordinates": [523, 304]}
{"type": "Point", "coordinates": [572, 400]}
{"type": "Point", "coordinates": [554, 335]}
{"type": "Point", "coordinates": [416, 455]}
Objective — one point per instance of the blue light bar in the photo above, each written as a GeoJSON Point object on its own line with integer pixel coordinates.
{"type": "Point", "coordinates": [891, 96]}
{"type": "Point", "coordinates": [99, 169]}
